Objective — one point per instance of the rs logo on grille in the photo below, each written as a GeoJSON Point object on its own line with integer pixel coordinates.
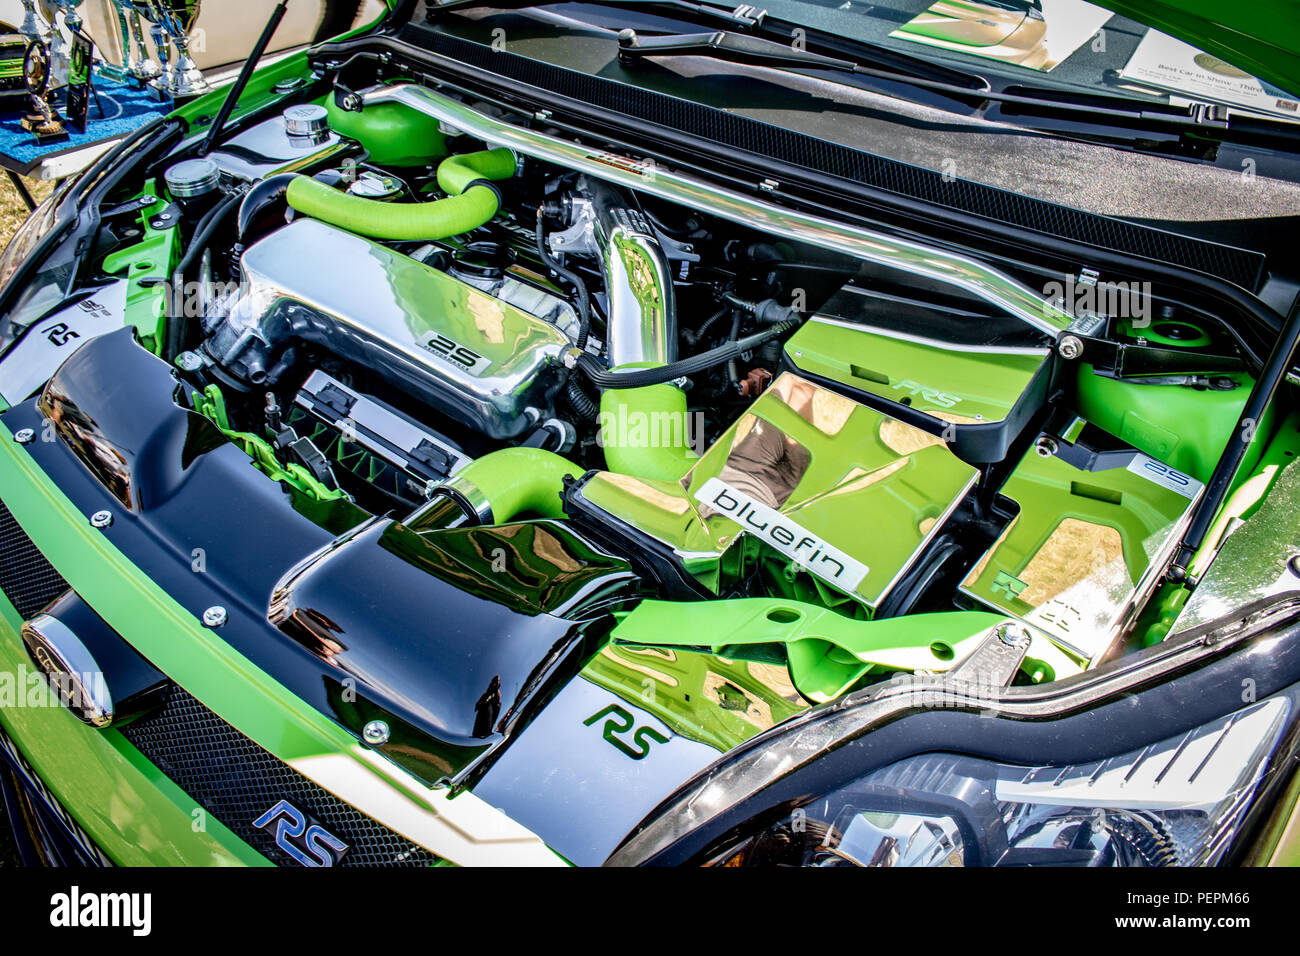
{"type": "Point", "coordinates": [306, 841]}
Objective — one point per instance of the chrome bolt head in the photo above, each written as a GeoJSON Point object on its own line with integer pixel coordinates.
{"type": "Point", "coordinates": [101, 519]}
{"type": "Point", "coordinates": [1046, 447]}
{"type": "Point", "coordinates": [375, 733]}
{"type": "Point", "coordinates": [1070, 347]}
{"type": "Point", "coordinates": [1013, 635]}
{"type": "Point", "coordinates": [25, 436]}
{"type": "Point", "coordinates": [215, 616]}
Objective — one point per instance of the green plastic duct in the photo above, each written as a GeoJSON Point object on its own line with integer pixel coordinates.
{"type": "Point", "coordinates": [827, 652]}
{"type": "Point", "coordinates": [466, 206]}
{"type": "Point", "coordinates": [645, 433]}
{"type": "Point", "coordinates": [514, 481]}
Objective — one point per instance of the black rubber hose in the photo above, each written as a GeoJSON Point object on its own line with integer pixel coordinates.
{"type": "Point", "coordinates": [579, 287]}
{"type": "Point", "coordinates": [208, 225]}
{"type": "Point", "coordinates": [640, 377]}
{"type": "Point", "coordinates": [733, 372]}
{"type": "Point", "coordinates": [266, 195]}
{"type": "Point", "coordinates": [583, 405]}
{"type": "Point", "coordinates": [699, 334]}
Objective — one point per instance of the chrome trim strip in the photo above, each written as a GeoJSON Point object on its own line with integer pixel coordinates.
{"type": "Point", "coordinates": [914, 257]}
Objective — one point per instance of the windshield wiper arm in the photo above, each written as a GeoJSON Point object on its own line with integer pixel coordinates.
{"type": "Point", "coordinates": [742, 16]}
{"type": "Point", "coordinates": [749, 19]}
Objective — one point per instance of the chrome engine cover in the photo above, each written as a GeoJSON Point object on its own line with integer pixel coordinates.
{"type": "Point", "coordinates": [482, 361]}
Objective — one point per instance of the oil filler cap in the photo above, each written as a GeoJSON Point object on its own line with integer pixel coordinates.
{"type": "Point", "coordinates": [308, 121]}
{"type": "Point", "coordinates": [192, 178]}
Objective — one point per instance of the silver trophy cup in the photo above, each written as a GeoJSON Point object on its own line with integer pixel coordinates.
{"type": "Point", "coordinates": [135, 55]}
{"type": "Point", "coordinates": [33, 27]}
{"type": "Point", "coordinates": [71, 16]}
{"type": "Point", "coordinates": [171, 22]}
{"type": "Point", "coordinates": [58, 46]}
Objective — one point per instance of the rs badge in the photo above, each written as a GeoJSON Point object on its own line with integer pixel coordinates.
{"type": "Point", "coordinates": [302, 839]}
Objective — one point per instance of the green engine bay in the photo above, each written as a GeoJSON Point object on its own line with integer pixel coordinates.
{"type": "Point", "coordinates": [884, 427]}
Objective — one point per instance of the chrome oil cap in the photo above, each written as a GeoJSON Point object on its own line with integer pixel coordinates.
{"type": "Point", "coordinates": [192, 178]}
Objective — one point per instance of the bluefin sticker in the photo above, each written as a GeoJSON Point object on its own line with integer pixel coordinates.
{"type": "Point", "coordinates": [794, 541]}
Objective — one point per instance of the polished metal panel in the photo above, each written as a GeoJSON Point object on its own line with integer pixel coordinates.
{"type": "Point", "coordinates": [873, 246]}
{"type": "Point", "coordinates": [806, 482]}
{"type": "Point", "coordinates": [1259, 560]}
{"type": "Point", "coordinates": [268, 149]}
{"type": "Point", "coordinates": [1085, 549]}
{"type": "Point", "coordinates": [480, 360]}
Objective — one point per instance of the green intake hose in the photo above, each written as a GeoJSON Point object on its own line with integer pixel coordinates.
{"type": "Point", "coordinates": [645, 433]}
{"type": "Point", "coordinates": [510, 482]}
{"type": "Point", "coordinates": [469, 202]}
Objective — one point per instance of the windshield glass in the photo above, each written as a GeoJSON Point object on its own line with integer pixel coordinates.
{"type": "Point", "coordinates": [1045, 42]}
{"type": "Point", "coordinates": [1069, 52]}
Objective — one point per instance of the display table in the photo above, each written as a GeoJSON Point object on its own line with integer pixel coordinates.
{"type": "Point", "coordinates": [125, 109]}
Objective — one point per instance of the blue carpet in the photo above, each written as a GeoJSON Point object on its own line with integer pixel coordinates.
{"type": "Point", "coordinates": [125, 109]}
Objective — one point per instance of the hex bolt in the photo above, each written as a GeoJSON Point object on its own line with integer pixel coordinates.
{"type": "Point", "coordinates": [1013, 635]}
{"type": "Point", "coordinates": [25, 436]}
{"type": "Point", "coordinates": [1046, 447]}
{"type": "Point", "coordinates": [1070, 347]}
{"type": "Point", "coordinates": [375, 733]}
{"type": "Point", "coordinates": [215, 616]}
{"type": "Point", "coordinates": [101, 519]}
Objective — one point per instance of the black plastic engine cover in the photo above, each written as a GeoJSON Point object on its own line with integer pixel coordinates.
{"type": "Point", "coordinates": [394, 625]}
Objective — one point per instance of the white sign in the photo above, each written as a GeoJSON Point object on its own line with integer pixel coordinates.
{"type": "Point", "coordinates": [794, 541]}
{"type": "Point", "coordinates": [1178, 67]}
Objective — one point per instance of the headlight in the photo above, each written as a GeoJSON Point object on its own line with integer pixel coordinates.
{"type": "Point", "coordinates": [45, 289]}
{"type": "Point", "coordinates": [1177, 802]}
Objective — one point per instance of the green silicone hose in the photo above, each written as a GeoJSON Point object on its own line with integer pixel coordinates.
{"type": "Point", "coordinates": [466, 206]}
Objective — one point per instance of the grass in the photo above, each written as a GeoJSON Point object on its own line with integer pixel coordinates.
{"type": "Point", "coordinates": [12, 209]}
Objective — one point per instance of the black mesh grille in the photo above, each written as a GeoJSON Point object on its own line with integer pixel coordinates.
{"type": "Point", "coordinates": [26, 578]}
{"type": "Point", "coordinates": [1240, 266]}
{"type": "Point", "coordinates": [237, 781]}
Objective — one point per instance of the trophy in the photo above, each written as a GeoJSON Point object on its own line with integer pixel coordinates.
{"type": "Point", "coordinates": [43, 121]}
{"type": "Point", "coordinates": [171, 22]}
{"type": "Point", "coordinates": [58, 47]}
{"type": "Point", "coordinates": [136, 63]}
{"type": "Point", "coordinates": [33, 28]}
{"type": "Point", "coordinates": [70, 15]}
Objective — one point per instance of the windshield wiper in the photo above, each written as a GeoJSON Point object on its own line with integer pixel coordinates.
{"type": "Point", "coordinates": [742, 16]}
{"type": "Point", "coordinates": [1202, 119]}
{"type": "Point", "coordinates": [903, 66]}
